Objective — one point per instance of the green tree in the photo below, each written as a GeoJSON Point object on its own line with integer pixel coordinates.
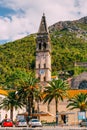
{"type": "Point", "coordinates": [11, 102]}
{"type": "Point", "coordinates": [78, 102]}
{"type": "Point", "coordinates": [16, 78]}
{"type": "Point", "coordinates": [57, 89]}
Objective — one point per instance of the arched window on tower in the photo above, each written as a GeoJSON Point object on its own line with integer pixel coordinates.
{"type": "Point", "coordinates": [39, 46]}
{"type": "Point", "coordinates": [44, 45]}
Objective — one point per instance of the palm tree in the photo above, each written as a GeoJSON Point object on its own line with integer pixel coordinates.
{"type": "Point", "coordinates": [10, 102]}
{"type": "Point", "coordinates": [56, 89]}
{"type": "Point", "coordinates": [27, 91]}
{"type": "Point", "coordinates": [78, 102]}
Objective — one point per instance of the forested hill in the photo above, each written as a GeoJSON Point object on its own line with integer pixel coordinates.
{"type": "Point", "coordinates": [69, 44]}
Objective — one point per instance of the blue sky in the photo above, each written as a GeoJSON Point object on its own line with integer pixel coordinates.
{"type": "Point", "coordinates": [19, 18]}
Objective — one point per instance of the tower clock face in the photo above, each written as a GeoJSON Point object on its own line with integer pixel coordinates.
{"type": "Point", "coordinates": [41, 71]}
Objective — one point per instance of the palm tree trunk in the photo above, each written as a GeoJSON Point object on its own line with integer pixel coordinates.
{"type": "Point", "coordinates": [38, 108]}
{"type": "Point", "coordinates": [29, 106]}
{"type": "Point", "coordinates": [11, 113]}
{"type": "Point", "coordinates": [32, 103]}
{"type": "Point", "coordinates": [56, 112]}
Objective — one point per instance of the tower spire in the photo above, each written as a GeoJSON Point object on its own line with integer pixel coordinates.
{"type": "Point", "coordinates": [43, 25]}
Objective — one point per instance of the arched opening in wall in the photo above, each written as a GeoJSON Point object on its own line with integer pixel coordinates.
{"type": "Point", "coordinates": [83, 85]}
{"type": "Point", "coordinates": [64, 118]}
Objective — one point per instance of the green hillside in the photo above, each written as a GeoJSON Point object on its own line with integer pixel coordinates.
{"type": "Point", "coordinates": [69, 45]}
{"type": "Point", "coordinates": [67, 49]}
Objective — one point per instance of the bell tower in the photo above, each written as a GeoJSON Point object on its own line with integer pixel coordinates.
{"type": "Point", "coordinates": [43, 53]}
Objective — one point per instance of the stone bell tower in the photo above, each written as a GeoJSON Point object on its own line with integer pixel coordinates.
{"type": "Point", "coordinates": [43, 53]}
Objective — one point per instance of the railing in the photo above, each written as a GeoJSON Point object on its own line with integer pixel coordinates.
{"type": "Point", "coordinates": [47, 128]}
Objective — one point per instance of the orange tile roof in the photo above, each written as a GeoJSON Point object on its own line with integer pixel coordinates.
{"type": "Point", "coordinates": [53, 76]}
{"type": "Point", "coordinates": [3, 92]}
{"type": "Point", "coordinates": [72, 93]}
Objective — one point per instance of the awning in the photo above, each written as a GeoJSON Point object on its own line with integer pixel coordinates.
{"type": "Point", "coordinates": [41, 114]}
{"type": "Point", "coordinates": [65, 113]}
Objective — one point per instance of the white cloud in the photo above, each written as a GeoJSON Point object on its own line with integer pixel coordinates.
{"type": "Point", "coordinates": [28, 15]}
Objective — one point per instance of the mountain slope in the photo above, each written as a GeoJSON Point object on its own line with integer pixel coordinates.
{"type": "Point", "coordinates": [69, 43]}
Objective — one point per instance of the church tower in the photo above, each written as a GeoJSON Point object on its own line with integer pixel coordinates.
{"type": "Point", "coordinates": [43, 53]}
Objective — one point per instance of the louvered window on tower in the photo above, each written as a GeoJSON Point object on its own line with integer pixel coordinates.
{"type": "Point", "coordinates": [44, 65]}
{"type": "Point", "coordinates": [44, 78]}
{"type": "Point", "coordinates": [39, 78]}
{"type": "Point", "coordinates": [39, 66]}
